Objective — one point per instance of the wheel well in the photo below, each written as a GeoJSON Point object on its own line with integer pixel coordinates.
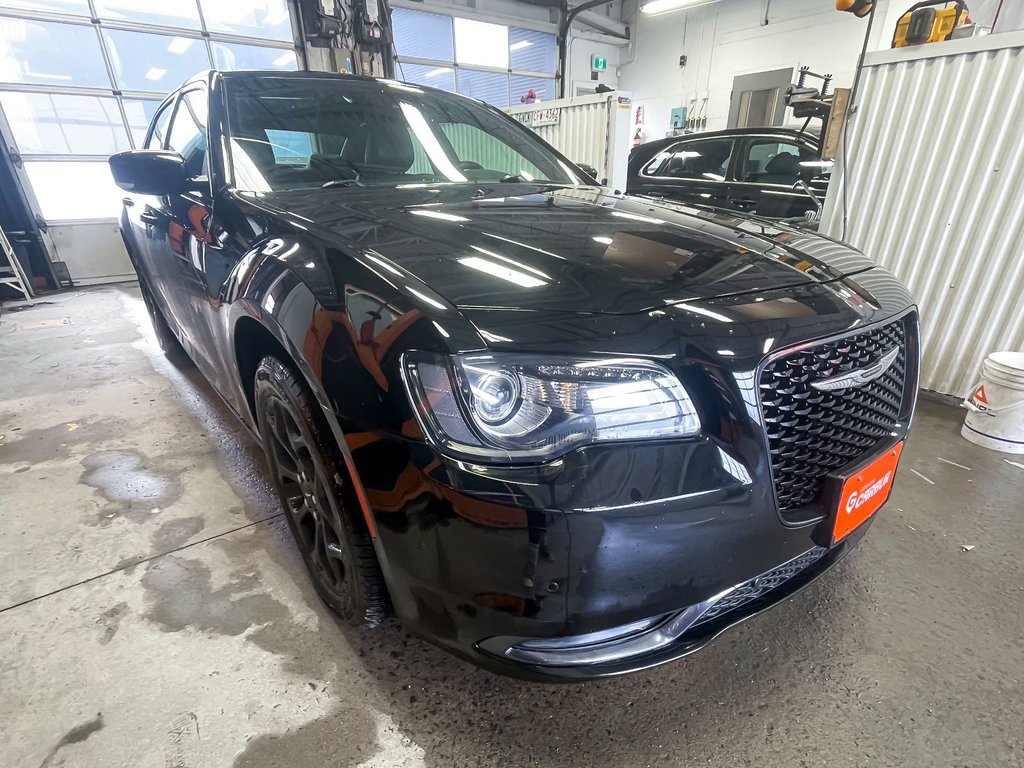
{"type": "Point", "coordinates": [253, 342]}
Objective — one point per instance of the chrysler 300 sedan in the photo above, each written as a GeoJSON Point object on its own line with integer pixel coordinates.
{"type": "Point", "coordinates": [560, 432]}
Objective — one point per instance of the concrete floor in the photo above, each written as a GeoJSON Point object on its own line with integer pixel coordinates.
{"type": "Point", "coordinates": [155, 612]}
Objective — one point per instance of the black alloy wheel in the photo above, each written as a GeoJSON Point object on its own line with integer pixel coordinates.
{"type": "Point", "coordinates": [322, 510]}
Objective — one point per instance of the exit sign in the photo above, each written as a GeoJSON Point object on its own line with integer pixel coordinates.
{"type": "Point", "coordinates": [598, 63]}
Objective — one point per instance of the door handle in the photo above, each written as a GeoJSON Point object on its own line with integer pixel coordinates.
{"type": "Point", "coordinates": [745, 202]}
{"type": "Point", "coordinates": [148, 217]}
{"type": "Point", "coordinates": [128, 202]}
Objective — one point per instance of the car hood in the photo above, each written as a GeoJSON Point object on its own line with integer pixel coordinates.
{"type": "Point", "coordinates": [523, 247]}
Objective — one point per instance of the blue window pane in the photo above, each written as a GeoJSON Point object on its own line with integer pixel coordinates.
{"type": "Point", "coordinates": [543, 89]}
{"type": "Point", "coordinates": [491, 87]}
{"type": "Point", "coordinates": [160, 63]}
{"type": "Point", "coordinates": [233, 56]}
{"type": "Point", "coordinates": [46, 53]}
{"type": "Point", "coordinates": [435, 77]}
{"type": "Point", "coordinates": [267, 19]}
{"type": "Point", "coordinates": [531, 51]}
{"type": "Point", "coordinates": [423, 35]}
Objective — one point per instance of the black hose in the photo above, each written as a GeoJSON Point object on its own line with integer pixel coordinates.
{"type": "Point", "coordinates": [568, 15]}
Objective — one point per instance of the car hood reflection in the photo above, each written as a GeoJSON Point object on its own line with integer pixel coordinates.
{"type": "Point", "coordinates": [521, 246]}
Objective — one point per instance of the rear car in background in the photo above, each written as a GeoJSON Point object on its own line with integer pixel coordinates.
{"type": "Point", "coordinates": [772, 172]}
{"type": "Point", "coordinates": [562, 432]}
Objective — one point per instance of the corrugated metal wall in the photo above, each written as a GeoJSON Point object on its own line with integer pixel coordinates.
{"type": "Point", "coordinates": [936, 194]}
{"type": "Point", "coordinates": [582, 132]}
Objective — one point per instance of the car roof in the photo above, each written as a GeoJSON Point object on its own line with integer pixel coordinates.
{"type": "Point", "coordinates": [789, 133]}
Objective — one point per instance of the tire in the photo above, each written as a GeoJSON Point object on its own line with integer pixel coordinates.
{"type": "Point", "coordinates": [165, 337]}
{"type": "Point", "coordinates": [318, 497]}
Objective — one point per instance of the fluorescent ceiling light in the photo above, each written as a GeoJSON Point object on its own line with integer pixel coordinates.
{"type": "Point", "coordinates": [428, 140]}
{"type": "Point", "coordinates": [179, 45]}
{"type": "Point", "coordinates": [637, 217]}
{"type": "Point", "coordinates": [501, 272]}
{"type": "Point", "coordinates": [155, 74]}
{"type": "Point", "coordinates": [705, 312]}
{"type": "Point", "coordinates": [284, 58]}
{"type": "Point", "coordinates": [664, 6]}
{"type": "Point", "coordinates": [440, 215]}
{"type": "Point", "coordinates": [520, 45]}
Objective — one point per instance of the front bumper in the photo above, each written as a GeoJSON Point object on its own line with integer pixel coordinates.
{"type": "Point", "coordinates": [482, 560]}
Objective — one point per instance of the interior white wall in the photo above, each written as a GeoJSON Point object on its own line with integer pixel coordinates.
{"type": "Point", "coordinates": [729, 38]}
{"type": "Point", "coordinates": [580, 50]}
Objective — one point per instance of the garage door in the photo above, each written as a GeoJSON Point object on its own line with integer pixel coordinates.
{"type": "Point", "coordinates": [78, 84]}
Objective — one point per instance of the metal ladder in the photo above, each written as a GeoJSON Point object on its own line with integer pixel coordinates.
{"type": "Point", "coordinates": [11, 273]}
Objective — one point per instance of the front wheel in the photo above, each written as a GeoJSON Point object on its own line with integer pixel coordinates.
{"type": "Point", "coordinates": [316, 492]}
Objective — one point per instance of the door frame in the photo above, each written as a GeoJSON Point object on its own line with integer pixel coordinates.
{"type": "Point", "coordinates": [760, 81]}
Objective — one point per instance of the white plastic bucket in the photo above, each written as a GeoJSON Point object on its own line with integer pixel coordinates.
{"type": "Point", "coordinates": [995, 406]}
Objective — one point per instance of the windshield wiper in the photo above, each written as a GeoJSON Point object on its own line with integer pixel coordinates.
{"type": "Point", "coordinates": [342, 183]}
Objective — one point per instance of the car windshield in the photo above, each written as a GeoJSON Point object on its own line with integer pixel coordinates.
{"type": "Point", "coordinates": [297, 132]}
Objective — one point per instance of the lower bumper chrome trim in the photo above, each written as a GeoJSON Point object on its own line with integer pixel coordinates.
{"type": "Point", "coordinates": [649, 635]}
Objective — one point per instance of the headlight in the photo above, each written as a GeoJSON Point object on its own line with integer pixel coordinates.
{"type": "Point", "coordinates": [525, 408]}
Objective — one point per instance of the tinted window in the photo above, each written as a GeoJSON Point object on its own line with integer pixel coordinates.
{"type": "Point", "coordinates": [159, 131]}
{"type": "Point", "coordinates": [188, 131]}
{"type": "Point", "coordinates": [374, 133]}
{"type": "Point", "coordinates": [706, 159]}
{"type": "Point", "coordinates": [770, 161]}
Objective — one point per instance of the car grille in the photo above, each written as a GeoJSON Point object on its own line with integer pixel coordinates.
{"type": "Point", "coordinates": [812, 433]}
{"type": "Point", "coordinates": [762, 584]}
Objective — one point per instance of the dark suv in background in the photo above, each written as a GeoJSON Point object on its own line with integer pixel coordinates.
{"type": "Point", "coordinates": [759, 171]}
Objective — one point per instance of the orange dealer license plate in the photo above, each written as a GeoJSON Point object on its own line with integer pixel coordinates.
{"type": "Point", "coordinates": [864, 491]}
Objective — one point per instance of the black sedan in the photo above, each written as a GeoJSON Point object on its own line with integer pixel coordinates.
{"type": "Point", "coordinates": [772, 172]}
{"type": "Point", "coordinates": [561, 432]}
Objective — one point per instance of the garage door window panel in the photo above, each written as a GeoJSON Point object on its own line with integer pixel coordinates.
{"type": "Point", "coordinates": [58, 187]}
{"type": "Point", "coordinates": [699, 160]}
{"type": "Point", "coordinates": [531, 51]}
{"type": "Point", "coordinates": [234, 56]}
{"type": "Point", "coordinates": [147, 62]}
{"type": "Point", "coordinates": [491, 87]}
{"type": "Point", "coordinates": [61, 124]}
{"type": "Point", "coordinates": [267, 19]}
{"type": "Point", "coordinates": [51, 54]}
{"type": "Point", "coordinates": [422, 35]}
{"type": "Point", "coordinates": [429, 75]}
{"type": "Point", "coordinates": [158, 12]}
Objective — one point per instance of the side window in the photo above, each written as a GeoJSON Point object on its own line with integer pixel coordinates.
{"type": "Point", "coordinates": [188, 131]}
{"type": "Point", "coordinates": [770, 161]}
{"type": "Point", "coordinates": [156, 136]}
{"type": "Point", "coordinates": [706, 159]}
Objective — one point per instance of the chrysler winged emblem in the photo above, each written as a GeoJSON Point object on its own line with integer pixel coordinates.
{"type": "Point", "coordinates": [859, 377]}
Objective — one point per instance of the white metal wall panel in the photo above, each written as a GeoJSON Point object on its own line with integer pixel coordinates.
{"type": "Point", "coordinates": [935, 175]}
{"type": "Point", "coordinates": [590, 130]}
